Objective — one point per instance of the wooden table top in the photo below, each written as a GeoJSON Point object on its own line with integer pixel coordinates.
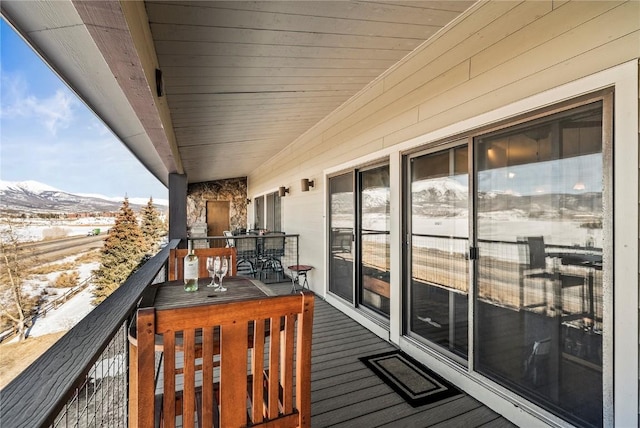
{"type": "Point", "coordinates": [171, 294]}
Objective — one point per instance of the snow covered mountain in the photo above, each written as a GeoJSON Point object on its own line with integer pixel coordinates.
{"type": "Point", "coordinates": [35, 197]}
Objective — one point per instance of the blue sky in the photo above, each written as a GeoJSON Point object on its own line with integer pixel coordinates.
{"type": "Point", "coordinates": [48, 135]}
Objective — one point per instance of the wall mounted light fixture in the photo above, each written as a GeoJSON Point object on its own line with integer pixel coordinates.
{"type": "Point", "coordinates": [305, 183]}
{"type": "Point", "coordinates": [282, 191]}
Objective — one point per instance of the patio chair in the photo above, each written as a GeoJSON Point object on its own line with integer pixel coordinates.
{"type": "Point", "coordinates": [247, 250]}
{"type": "Point", "coordinates": [230, 241]}
{"type": "Point", "coordinates": [176, 257]}
{"type": "Point", "coordinates": [277, 389]}
{"type": "Point", "coordinates": [272, 251]}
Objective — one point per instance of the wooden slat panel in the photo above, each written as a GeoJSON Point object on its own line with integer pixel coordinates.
{"type": "Point", "coordinates": [303, 354]}
{"type": "Point", "coordinates": [230, 81]}
{"type": "Point", "coordinates": [171, 31]}
{"type": "Point", "coordinates": [189, 384]}
{"type": "Point", "coordinates": [284, 97]}
{"type": "Point", "coordinates": [262, 87]}
{"type": "Point", "coordinates": [233, 373]}
{"type": "Point", "coordinates": [417, 12]}
{"type": "Point", "coordinates": [597, 32]}
{"type": "Point", "coordinates": [257, 369]}
{"type": "Point", "coordinates": [169, 379]}
{"type": "Point", "coordinates": [286, 374]}
{"type": "Point", "coordinates": [145, 368]}
{"type": "Point", "coordinates": [267, 73]}
{"type": "Point", "coordinates": [225, 50]}
{"type": "Point", "coordinates": [274, 362]}
{"type": "Point", "coordinates": [208, 348]}
{"type": "Point", "coordinates": [537, 32]}
{"type": "Point", "coordinates": [272, 62]}
{"type": "Point", "coordinates": [212, 17]}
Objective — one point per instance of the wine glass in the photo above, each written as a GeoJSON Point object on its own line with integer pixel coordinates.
{"type": "Point", "coordinates": [211, 268]}
{"type": "Point", "coordinates": [221, 271]}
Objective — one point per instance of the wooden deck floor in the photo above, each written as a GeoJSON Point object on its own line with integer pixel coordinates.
{"type": "Point", "coordinates": [345, 393]}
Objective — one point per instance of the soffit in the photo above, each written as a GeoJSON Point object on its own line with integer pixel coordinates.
{"type": "Point", "coordinates": [244, 79]}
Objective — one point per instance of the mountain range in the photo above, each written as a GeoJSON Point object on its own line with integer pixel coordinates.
{"type": "Point", "coordinates": [34, 197]}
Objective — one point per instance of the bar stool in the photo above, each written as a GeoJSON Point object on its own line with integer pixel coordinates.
{"type": "Point", "coordinates": [301, 271]}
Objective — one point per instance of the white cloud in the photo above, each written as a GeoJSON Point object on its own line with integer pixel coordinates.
{"type": "Point", "coordinates": [54, 112]}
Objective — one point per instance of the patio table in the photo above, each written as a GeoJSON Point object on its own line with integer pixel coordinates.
{"type": "Point", "coordinates": [171, 295]}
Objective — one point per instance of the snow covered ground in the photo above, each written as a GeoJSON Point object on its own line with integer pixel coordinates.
{"type": "Point", "coordinates": [70, 312]}
{"type": "Point", "coordinates": [66, 316]}
{"type": "Point", "coordinates": [39, 229]}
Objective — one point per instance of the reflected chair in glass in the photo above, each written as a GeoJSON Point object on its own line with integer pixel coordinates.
{"type": "Point", "coordinates": [536, 268]}
{"type": "Point", "coordinates": [536, 366]}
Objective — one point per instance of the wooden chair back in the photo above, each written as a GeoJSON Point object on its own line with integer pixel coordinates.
{"type": "Point", "coordinates": [275, 381]}
{"type": "Point", "coordinates": [176, 257]}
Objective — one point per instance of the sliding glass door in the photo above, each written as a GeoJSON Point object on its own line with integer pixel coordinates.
{"type": "Point", "coordinates": [538, 323]}
{"type": "Point", "coordinates": [359, 227]}
{"type": "Point", "coordinates": [505, 231]}
{"type": "Point", "coordinates": [438, 268]}
{"type": "Point", "coordinates": [373, 239]}
{"type": "Point", "coordinates": [274, 223]}
{"type": "Point", "coordinates": [341, 235]}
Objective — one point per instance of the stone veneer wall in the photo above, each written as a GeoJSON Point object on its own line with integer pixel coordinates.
{"type": "Point", "coordinates": [233, 190]}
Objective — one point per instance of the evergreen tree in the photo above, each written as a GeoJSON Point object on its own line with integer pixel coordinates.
{"type": "Point", "coordinates": [151, 226]}
{"type": "Point", "coordinates": [122, 252]}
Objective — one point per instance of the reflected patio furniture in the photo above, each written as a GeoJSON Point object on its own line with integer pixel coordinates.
{"type": "Point", "coordinates": [536, 367]}
{"type": "Point", "coordinates": [537, 268]}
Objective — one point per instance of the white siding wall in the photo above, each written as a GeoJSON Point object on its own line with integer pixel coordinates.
{"type": "Point", "coordinates": [474, 72]}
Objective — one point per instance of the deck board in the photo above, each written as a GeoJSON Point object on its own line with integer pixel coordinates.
{"type": "Point", "coordinates": [345, 393]}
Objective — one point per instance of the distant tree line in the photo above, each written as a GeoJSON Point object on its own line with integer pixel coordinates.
{"type": "Point", "coordinates": [57, 216]}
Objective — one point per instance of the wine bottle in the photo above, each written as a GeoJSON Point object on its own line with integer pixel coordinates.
{"type": "Point", "coordinates": [191, 270]}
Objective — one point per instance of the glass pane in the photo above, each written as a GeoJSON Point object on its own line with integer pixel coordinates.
{"type": "Point", "coordinates": [374, 239]}
{"type": "Point", "coordinates": [539, 290]}
{"type": "Point", "coordinates": [341, 226]}
{"type": "Point", "coordinates": [258, 211]}
{"type": "Point", "coordinates": [277, 213]}
{"type": "Point", "coordinates": [273, 212]}
{"type": "Point", "coordinates": [270, 211]}
{"type": "Point", "coordinates": [439, 242]}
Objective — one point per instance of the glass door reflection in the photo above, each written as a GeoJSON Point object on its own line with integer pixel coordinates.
{"type": "Point", "coordinates": [373, 232]}
{"type": "Point", "coordinates": [341, 235]}
{"type": "Point", "coordinates": [439, 266]}
{"type": "Point", "coordinates": [538, 322]}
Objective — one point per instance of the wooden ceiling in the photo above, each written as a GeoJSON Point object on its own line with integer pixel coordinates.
{"type": "Point", "coordinates": [245, 79]}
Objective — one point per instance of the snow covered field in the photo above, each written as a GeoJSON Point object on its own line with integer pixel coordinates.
{"type": "Point", "coordinates": [39, 229]}
{"type": "Point", "coordinates": [77, 307]}
{"type": "Point", "coordinates": [70, 312]}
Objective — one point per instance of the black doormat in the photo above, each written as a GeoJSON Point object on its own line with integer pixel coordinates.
{"type": "Point", "coordinates": [414, 382]}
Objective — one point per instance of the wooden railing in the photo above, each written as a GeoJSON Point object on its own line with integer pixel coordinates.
{"type": "Point", "coordinates": [81, 379]}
